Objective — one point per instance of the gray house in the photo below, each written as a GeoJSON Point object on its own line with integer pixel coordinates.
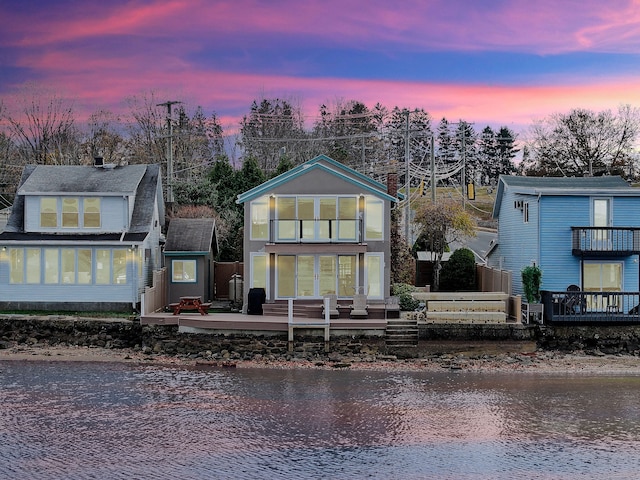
{"type": "Point", "coordinates": [319, 229]}
{"type": "Point", "coordinates": [81, 237]}
{"type": "Point", "coordinates": [189, 257]}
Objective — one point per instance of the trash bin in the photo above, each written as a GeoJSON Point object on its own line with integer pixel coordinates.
{"type": "Point", "coordinates": [255, 300]}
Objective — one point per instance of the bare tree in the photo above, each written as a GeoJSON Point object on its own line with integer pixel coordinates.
{"type": "Point", "coordinates": [584, 142]}
{"type": "Point", "coordinates": [43, 128]}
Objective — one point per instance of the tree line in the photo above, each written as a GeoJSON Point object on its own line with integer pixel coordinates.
{"type": "Point", "coordinates": [210, 166]}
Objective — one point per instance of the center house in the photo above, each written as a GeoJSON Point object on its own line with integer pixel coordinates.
{"type": "Point", "coordinates": [319, 229]}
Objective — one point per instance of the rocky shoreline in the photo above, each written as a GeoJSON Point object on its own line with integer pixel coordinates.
{"type": "Point", "coordinates": [570, 350]}
{"type": "Point", "coordinates": [479, 360]}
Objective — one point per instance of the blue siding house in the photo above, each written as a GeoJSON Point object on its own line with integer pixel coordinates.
{"type": "Point", "coordinates": [81, 238]}
{"type": "Point", "coordinates": [584, 234]}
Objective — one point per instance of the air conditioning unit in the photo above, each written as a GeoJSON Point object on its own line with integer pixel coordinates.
{"type": "Point", "coordinates": [518, 204]}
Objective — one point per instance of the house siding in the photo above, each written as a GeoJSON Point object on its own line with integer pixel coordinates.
{"type": "Point", "coordinates": [554, 208]}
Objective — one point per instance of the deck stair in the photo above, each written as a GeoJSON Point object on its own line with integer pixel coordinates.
{"type": "Point", "coordinates": [401, 332]}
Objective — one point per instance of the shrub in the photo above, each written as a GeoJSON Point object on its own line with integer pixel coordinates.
{"type": "Point", "coordinates": [531, 281]}
{"type": "Point", "coordinates": [459, 273]}
{"type": "Point", "coordinates": [403, 292]}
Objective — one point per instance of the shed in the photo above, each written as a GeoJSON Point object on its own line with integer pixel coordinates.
{"type": "Point", "coordinates": [189, 254]}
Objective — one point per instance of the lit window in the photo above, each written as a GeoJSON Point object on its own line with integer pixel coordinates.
{"type": "Point", "coordinates": [260, 219]}
{"type": "Point", "coordinates": [68, 264]}
{"type": "Point", "coordinates": [16, 265]}
{"type": "Point", "coordinates": [70, 212]}
{"type": "Point", "coordinates": [373, 218]}
{"type": "Point", "coordinates": [33, 265]}
{"type": "Point", "coordinates": [119, 270]}
{"type": "Point", "coordinates": [103, 267]}
{"type": "Point", "coordinates": [48, 212]}
{"type": "Point", "coordinates": [91, 213]}
{"type": "Point", "coordinates": [183, 271]}
{"type": "Point", "coordinates": [84, 266]}
{"type": "Point", "coordinates": [51, 265]}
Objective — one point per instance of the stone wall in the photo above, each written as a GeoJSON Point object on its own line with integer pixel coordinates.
{"type": "Point", "coordinates": [123, 333]}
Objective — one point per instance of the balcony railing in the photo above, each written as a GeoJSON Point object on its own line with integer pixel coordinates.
{"type": "Point", "coordinates": [605, 241]}
{"type": "Point", "coordinates": [591, 307]}
{"type": "Point", "coordinates": [316, 231]}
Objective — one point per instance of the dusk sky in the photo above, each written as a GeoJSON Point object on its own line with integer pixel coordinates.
{"type": "Point", "coordinates": [490, 62]}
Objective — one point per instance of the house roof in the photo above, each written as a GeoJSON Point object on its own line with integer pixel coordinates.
{"type": "Point", "coordinates": [540, 186]}
{"type": "Point", "coordinates": [321, 162]}
{"type": "Point", "coordinates": [81, 180]}
{"type": "Point", "coordinates": [190, 235]}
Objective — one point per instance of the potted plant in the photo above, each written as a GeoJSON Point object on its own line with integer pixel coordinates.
{"type": "Point", "coordinates": [531, 281]}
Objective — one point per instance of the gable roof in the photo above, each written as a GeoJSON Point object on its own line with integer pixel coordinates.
{"type": "Point", "coordinates": [573, 186]}
{"type": "Point", "coordinates": [194, 235]}
{"type": "Point", "coordinates": [324, 163]}
{"type": "Point", "coordinates": [74, 179]}
{"type": "Point", "coordinates": [141, 180]}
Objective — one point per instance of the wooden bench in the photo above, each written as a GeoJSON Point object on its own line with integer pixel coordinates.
{"type": "Point", "coordinates": [463, 307]}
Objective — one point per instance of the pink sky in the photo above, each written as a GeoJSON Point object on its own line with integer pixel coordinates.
{"type": "Point", "coordinates": [491, 63]}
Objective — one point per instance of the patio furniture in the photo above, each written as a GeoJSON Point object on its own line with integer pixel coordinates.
{"type": "Point", "coordinates": [333, 306]}
{"type": "Point", "coordinates": [359, 306]}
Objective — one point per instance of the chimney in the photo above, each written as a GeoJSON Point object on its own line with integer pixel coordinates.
{"type": "Point", "coordinates": [98, 162]}
{"type": "Point", "coordinates": [392, 184]}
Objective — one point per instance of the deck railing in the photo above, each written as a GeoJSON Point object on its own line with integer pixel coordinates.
{"type": "Point", "coordinates": [591, 307]}
{"type": "Point", "coordinates": [599, 241]}
{"type": "Point", "coordinates": [316, 231]}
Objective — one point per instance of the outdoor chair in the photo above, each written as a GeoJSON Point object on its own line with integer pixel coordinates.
{"type": "Point", "coordinates": [574, 302]}
{"type": "Point", "coordinates": [359, 306]}
{"type": "Point", "coordinates": [333, 306]}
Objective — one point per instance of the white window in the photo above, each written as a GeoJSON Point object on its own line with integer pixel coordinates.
{"type": "Point", "coordinates": [16, 265]}
{"type": "Point", "coordinates": [183, 271]}
{"type": "Point", "coordinates": [373, 218]}
{"type": "Point", "coordinates": [48, 212]}
{"type": "Point", "coordinates": [259, 213]}
{"type": "Point", "coordinates": [374, 275]}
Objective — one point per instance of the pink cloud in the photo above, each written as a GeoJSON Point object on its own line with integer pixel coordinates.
{"type": "Point", "coordinates": [541, 27]}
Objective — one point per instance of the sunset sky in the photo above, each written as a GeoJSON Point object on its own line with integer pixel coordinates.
{"type": "Point", "coordinates": [490, 62]}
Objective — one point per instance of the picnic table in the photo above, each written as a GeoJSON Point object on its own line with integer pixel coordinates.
{"type": "Point", "coordinates": [193, 303]}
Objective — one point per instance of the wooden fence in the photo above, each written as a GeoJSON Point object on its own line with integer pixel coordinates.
{"type": "Point", "coordinates": [493, 280]}
{"type": "Point", "coordinates": [154, 297]}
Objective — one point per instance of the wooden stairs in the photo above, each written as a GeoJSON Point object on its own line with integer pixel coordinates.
{"type": "Point", "coordinates": [401, 333]}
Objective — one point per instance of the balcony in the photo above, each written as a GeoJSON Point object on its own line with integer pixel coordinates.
{"type": "Point", "coordinates": [605, 241]}
{"type": "Point", "coordinates": [591, 308]}
{"type": "Point", "coordinates": [316, 231]}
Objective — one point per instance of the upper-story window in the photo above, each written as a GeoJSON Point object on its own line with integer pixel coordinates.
{"type": "Point", "coordinates": [259, 212]}
{"type": "Point", "coordinates": [525, 212]}
{"type": "Point", "coordinates": [48, 212]}
{"type": "Point", "coordinates": [70, 212]}
{"type": "Point", "coordinates": [91, 212]}
{"type": "Point", "coordinates": [374, 218]}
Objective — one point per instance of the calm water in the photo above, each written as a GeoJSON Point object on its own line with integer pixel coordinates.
{"type": "Point", "coordinates": [115, 421]}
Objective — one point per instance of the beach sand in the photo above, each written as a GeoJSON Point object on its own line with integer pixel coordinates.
{"type": "Point", "coordinates": [486, 359]}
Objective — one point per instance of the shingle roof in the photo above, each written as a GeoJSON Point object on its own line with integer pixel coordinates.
{"type": "Point", "coordinates": [190, 235]}
{"type": "Point", "coordinates": [82, 179]}
{"type": "Point", "coordinates": [141, 180]}
{"type": "Point", "coordinates": [565, 182]}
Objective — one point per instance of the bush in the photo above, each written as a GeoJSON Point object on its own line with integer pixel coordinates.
{"type": "Point", "coordinates": [531, 281]}
{"type": "Point", "coordinates": [403, 292]}
{"type": "Point", "coordinates": [459, 273]}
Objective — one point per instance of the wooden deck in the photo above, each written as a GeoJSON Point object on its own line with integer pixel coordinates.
{"type": "Point", "coordinates": [226, 323]}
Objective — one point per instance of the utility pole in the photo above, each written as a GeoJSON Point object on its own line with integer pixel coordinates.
{"type": "Point", "coordinates": [407, 179]}
{"type": "Point", "coordinates": [433, 170]}
{"type": "Point", "coordinates": [169, 104]}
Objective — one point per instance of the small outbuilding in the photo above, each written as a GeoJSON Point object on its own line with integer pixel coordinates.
{"type": "Point", "coordinates": [189, 255]}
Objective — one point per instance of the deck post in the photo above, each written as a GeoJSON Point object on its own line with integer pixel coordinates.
{"type": "Point", "coordinates": [290, 319]}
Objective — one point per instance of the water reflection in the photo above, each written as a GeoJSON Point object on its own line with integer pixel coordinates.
{"type": "Point", "coordinates": [70, 420]}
